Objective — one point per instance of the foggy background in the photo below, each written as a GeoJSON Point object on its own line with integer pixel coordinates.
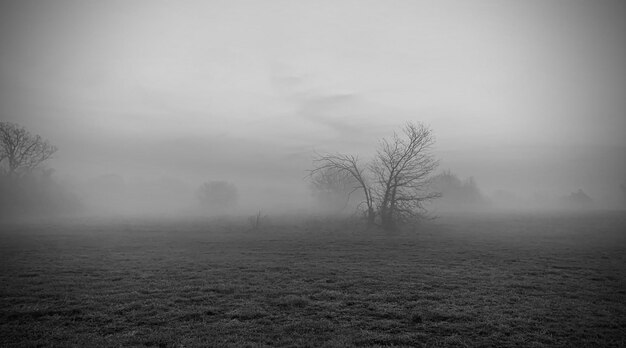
{"type": "Point", "coordinates": [147, 100]}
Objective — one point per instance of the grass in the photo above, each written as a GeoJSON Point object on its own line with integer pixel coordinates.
{"type": "Point", "coordinates": [482, 281]}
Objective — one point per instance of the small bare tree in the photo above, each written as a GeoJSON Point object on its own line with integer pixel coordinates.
{"type": "Point", "coordinates": [333, 189]}
{"type": "Point", "coordinates": [257, 221]}
{"type": "Point", "coordinates": [21, 150]}
{"type": "Point", "coordinates": [349, 166]}
{"type": "Point", "coordinates": [396, 183]}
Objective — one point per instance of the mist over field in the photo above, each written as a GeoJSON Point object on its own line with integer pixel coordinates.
{"type": "Point", "coordinates": [148, 100]}
{"type": "Point", "coordinates": [312, 173]}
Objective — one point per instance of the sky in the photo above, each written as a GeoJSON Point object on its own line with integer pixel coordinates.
{"type": "Point", "coordinates": [522, 95]}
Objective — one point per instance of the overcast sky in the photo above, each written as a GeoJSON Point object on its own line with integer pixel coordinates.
{"type": "Point", "coordinates": [522, 94]}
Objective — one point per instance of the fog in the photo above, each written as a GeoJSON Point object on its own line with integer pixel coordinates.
{"type": "Point", "coordinates": [148, 100]}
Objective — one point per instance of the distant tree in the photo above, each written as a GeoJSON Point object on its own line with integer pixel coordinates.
{"type": "Point", "coordinates": [579, 199]}
{"type": "Point", "coordinates": [218, 195]}
{"type": "Point", "coordinates": [20, 151]}
{"type": "Point", "coordinates": [396, 184]}
{"type": "Point", "coordinates": [457, 193]}
{"type": "Point", "coordinates": [447, 179]}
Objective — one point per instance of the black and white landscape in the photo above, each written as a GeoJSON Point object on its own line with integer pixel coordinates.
{"type": "Point", "coordinates": [312, 173]}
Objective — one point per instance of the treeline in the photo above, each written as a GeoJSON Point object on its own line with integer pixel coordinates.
{"type": "Point", "coordinates": [398, 184]}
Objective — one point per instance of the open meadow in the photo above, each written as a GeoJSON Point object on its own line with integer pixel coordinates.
{"type": "Point", "coordinates": [517, 280]}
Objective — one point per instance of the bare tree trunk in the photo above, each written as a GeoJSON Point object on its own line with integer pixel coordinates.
{"type": "Point", "coordinates": [371, 216]}
{"type": "Point", "coordinates": [370, 212]}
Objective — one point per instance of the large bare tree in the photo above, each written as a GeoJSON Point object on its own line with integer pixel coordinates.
{"type": "Point", "coordinates": [396, 182]}
{"type": "Point", "coordinates": [402, 171]}
{"type": "Point", "coordinates": [20, 150]}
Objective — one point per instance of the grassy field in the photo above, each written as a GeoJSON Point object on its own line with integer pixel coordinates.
{"type": "Point", "coordinates": [482, 281]}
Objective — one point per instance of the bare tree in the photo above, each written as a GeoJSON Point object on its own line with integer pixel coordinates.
{"type": "Point", "coordinates": [402, 169]}
{"type": "Point", "coordinates": [333, 188]}
{"type": "Point", "coordinates": [396, 183]}
{"type": "Point", "coordinates": [348, 165]}
{"type": "Point", "coordinates": [218, 196]}
{"type": "Point", "coordinates": [21, 150]}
